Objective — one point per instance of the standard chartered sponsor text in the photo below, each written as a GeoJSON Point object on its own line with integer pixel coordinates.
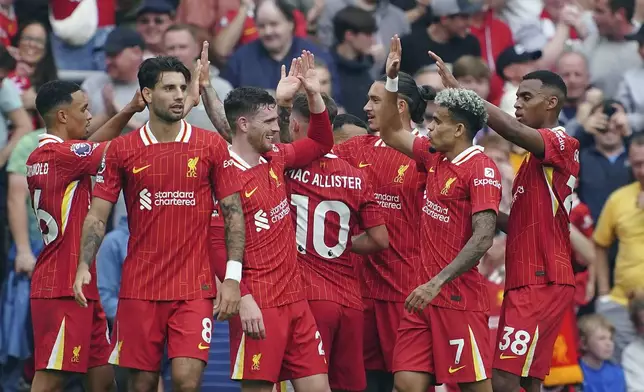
{"type": "Point", "coordinates": [435, 211]}
{"type": "Point", "coordinates": [388, 201]}
{"type": "Point", "coordinates": [174, 198]}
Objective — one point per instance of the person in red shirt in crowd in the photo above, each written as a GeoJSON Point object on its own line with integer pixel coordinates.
{"type": "Point", "coordinates": [237, 27]}
{"type": "Point", "coordinates": [495, 36]}
{"type": "Point", "coordinates": [8, 22]}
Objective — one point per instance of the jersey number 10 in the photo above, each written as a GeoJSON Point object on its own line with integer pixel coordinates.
{"type": "Point", "coordinates": [301, 204]}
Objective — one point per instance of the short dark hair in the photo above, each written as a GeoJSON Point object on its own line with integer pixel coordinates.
{"type": "Point", "coordinates": [551, 80]}
{"type": "Point", "coordinates": [283, 6]}
{"type": "Point", "coordinates": [244, 101]}
{"type": "Point", "coordinates": [627, 5]}
{"type": "Point", "coordinates": [416, 96]}
{"type": "Point", "coordinates": [301, 106]}
{"type": "Point", "coordinates": [7, 62]}
{"type": "Point", "coordinates": [355, 20]}
{"type": "Point", "coordinates": [151, 70]}
{"type": "Point", "coordinates": [53, 94]}
{"type": "Point", "coordinates": [637, 139]}
{"type": "Point", "coordinates": [345, 118]}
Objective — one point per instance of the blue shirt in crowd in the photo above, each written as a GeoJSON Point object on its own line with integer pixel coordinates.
{"type": "Point", "coordinates": [608, 378]}
{"type": "Point", "coordinates": [109, 263]}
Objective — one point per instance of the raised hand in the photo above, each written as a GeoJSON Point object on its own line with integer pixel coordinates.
{"type": "Point", "coordinates": [449, 81]}
{"type": "Point", "coordinates": [289, 84]}
{"type": "Point", "coordinates": [137, 103]}
{"type": "Point", "coordinates": [192, 97]}
{"type": "Point", "coordinates": [204, 76]}
{"type": "Point", "coordinates": [392, 66]}
{"type": "Point", "coordinates": [308, 75]}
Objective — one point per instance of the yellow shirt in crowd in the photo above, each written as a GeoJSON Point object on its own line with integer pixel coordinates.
{"type": "Point", "coordinates": [621, 219]}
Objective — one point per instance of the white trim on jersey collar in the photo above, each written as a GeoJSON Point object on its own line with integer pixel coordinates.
{"type": "Point", "coordinates": [148, 137]}
{"type": "Point", "coordinates": [467, 154]}
{"type": "Point", "coordinates": [46, 138]}
{"type": "Point", "coordinates": [239, 162]}
{"type": "Point", "coordinates": [380, 143]}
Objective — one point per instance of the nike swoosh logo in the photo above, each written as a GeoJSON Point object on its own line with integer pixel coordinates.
{"type": "Point", "coordinates": [452, 371]}
{"type": "Point", "coordinates": [361, 165]}
{"type": "Point", "coordinates": [249, 194]}
{"type": "Point", "coordinates": [503, 356]}
{"type": "Point", "coordinates": [431, 169]}
{"type": "Point", "coordinates": [203, 346]}
{"type": "Point", "coordinates": [139, 169]}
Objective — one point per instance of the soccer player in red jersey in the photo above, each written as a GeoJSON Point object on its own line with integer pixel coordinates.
{"type": "Point", "coordinates": [168, 171]}
{"type": "Point", "coordinates": [68, 339]}
{"type": "Point", "coordinates": [330, 200]}
{"type": "Point", "coordinates": [390, 275]}
{"type": "Point", "coordinates": [290, 347]}
{"type": "Point", "coordinates": [444, 337]}
{"type": "Point", "coordinates": [539, 278]}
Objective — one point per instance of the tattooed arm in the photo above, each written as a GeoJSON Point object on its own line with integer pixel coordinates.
{"type": "Point", "coordinates": [215, 111]}
{"type": "Point", "coordinates": [483, 228]}
{"type": "Point", "coordinates": [233, 226]}
{"type": "Point", "coordinates": [91, 238]}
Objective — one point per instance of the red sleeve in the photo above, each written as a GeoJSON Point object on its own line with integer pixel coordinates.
{"type": "Point", "coordinates": [223, 176]}
{"type": "Point", "coordinates": [560, 150]}
{"type": "Point", "coordinates": [83, 158]}
{"type": "Point", "coordinates": [370, 212]}
{"type": "Point", "coordinates": [581, 218]}
{"type": "Point", "coordinates": [108, 178]}
{"type": "Point", "coordinates": [422, 156]}
{"type": "Point", "coordinates": [349, 150]}
{"type": "Point", "coordinates": [485, 186]}
{"type": "Point", "coordinates": [319, 142]}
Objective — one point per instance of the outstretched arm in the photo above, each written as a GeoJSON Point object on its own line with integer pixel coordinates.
{"type": "Point", "coordinates": [502, 123]}
{"type": "Point", "coordinates": [391, 129]}
{"type": "Point", "coordinates": [213, 105]}
{"type": "Point", "coordinates": [374, 239]}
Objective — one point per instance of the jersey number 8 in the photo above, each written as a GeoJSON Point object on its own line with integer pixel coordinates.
{"type": "Point", "coordinates": [301, 204]}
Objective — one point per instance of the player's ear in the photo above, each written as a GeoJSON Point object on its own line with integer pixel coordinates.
{"type": "Point", "coordinates": [553, 102]}
{"type": "Point", "coordinates": [146, 93]}
{"type": "Point", "coordinates": [61, 116]}
{"type": "Point", "coordinates": [242, 124]}
{"type": "Point", "coordinates": [402, 104]}
{"type": "Point", "coordinates": [460, 129]}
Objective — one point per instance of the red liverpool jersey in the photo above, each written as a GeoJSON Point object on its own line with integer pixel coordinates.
{"type": "Point", "coordinates": [391, 274]}
{"type": "Point", "coordinates": [329, 200]}
{"type": "Point", "coordinates": [59, 178]}
{"type": "Point", "coordinates": [538, 243]}
{"type": "Point", "coordinates": [455, 190]}
{"type": "Point", "coordinates": [168, 189]}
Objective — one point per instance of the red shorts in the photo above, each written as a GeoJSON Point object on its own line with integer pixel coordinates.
{"type": "Point", "coordinates": [292, 348]}
{"type": "Point", "coordinates": [530, 322]}
{"type": "Point", "coordinates": [67, 337]}
{"type": "Point", "coordinates": [453, 345]}
{"type": "Point", "coordinates": [341, 330]}
{"type": "Point", "coordinates": [142, 329]}
{"type": "Point", "coordinates": [381, 320]}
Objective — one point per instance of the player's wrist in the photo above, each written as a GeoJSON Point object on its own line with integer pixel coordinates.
{"type": "Point", "coordinates": [233, 270]}
{"type": "Point", "coordinates": [392, 84]}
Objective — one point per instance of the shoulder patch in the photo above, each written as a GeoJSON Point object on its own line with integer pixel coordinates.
{"type": "Point", "coordinates": [82, 149]}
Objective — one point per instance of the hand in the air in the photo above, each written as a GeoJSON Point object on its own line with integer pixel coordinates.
{"type": "Point", "coordinates": [449, 81]}
{"type": "Point", "coordinates": [394, 57]}
{"type": "Point", "coordinates": [289, 83]}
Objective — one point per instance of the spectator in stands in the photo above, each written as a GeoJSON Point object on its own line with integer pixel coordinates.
{"type": "Point", "coordinates": [448, 36]}
{"type": "Point", "coordinates": [604, 159]}
{"type": "Point", "coordinates": [494, 36]}
{"type": "Point", "coordinates": [34, 64]}
{"type": "Point", "coordinates": [634, 352]}
{"type": "Point", "coordinates": [354, 29]}
{"type": "Point", "coordinates": [238, 28]}
{"type": "Point", "coordinates": [110, 91]}
{"type": "Point", "coordinates": [511, 65]}
{"type": "Point", "coordinates": [428, 76]}
{"type": "Point", "coordinates": [621, 220]}
{"type": "Point", "coordinates": [630, 92]}
{"type": "Point", "coordinates": [609, 54]}
{"type": "Point", "coordinates": [473, 74]}
{"type": "Point", "coordinates": [208, 14]}
{"type": "Point", "coordinates": [573, 69]}
{"type": "Point", "coordinates": [152, 20]}
{"type": "Point", "coordinates": [324, 75]}
{"type": "Point", "coordinates": [79, 32]}
{"type": "Point", "coordinates": [600, 375]}
{"type": "Point", "coordinates": [181, 41]}
{"type": "Point", "coordinates": [258, 63]}
{"type": "Point", "coordinates": [346, 126]}
{"type": "Point", "coordinates": [391, 20]}
{"type": "Point", "coordinates": [8, 22]}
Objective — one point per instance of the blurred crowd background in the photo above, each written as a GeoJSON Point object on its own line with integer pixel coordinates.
{"type": "Point", "coordinates": [595, 45]}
